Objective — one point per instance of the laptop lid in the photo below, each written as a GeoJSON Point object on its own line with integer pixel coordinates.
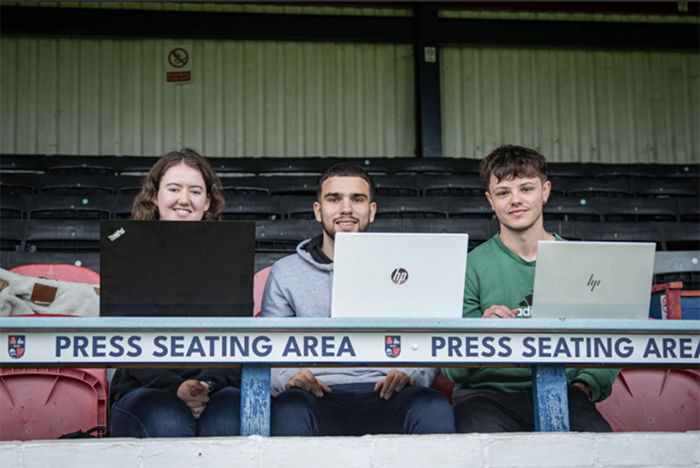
{"type": "Point", "coordinates": [171, 268]}
{"type": "Point", "coordinates": [593, 280]}
{"type": "Point", "coordinates": [399, 275]}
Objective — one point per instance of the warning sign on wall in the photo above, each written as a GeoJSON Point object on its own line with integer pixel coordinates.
{"type": "Point", "coordinates": [178, 63]}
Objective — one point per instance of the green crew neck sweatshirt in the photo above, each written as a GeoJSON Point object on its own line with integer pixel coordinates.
{"type": "Point", "coordinates": [498, 276]}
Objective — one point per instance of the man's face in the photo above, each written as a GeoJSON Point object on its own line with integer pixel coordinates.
{"type": "Point", "coordinates": [344, 206]}
{"type": "Point", "coordinates": [518, 202]}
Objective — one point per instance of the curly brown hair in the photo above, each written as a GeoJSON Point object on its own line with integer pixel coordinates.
{"type": "Point", "coordinates": [145, 209]}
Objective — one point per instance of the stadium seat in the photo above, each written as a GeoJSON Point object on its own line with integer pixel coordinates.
{"type": "Point", "coordinates": [81, 165]}
{"type": "Point", "coordinates": [298, 206]}
{"type": "Point", "coordinates": [623, 170]}
{"type": "Point", "coordinates": [675, 187]}
{"type": "Point", "coordinates": [647, 170]}
{"type": "Point", "coordinates": [683, 266]}
{"type": "Point", "coordinates": [63, 272]}
{"type": "Point", "coordinates": [290, 185]}
{"type": "Point", "coordinates": [18, 183]}
{"type": "Point", "coordinates": [688, 208]}
{"type": "Point", "coordinates": [135, 166]}
{"type": "Point", "coordinates": [396, 185]}
{"type": "Point", "coordinates": [252, 208]}
{"type": "Point", "coordinates": [566, 170]}
{"type": "Point", "coordinates": [386, 225]}
{"type": "Point", "coordinates": [679, 236]}
{"type": "Point", "coordinates": [123, 204]}
{"type": "Point", "coordinates": [12, 235]}
{"type": "Point", "coordinates": [443, 385]}
{"type": "Point", "coordinates": [128, 185]}
{"type": "Point", "coordinates": [236, 167]}
{"type": "Point", "coordinates": [86, 206]}
{"type": "Point", "coordinates": [443, 166]}
{"type": "Point", "coordinates": [561, 208]}
{"type": "Point", "coordinates": [410, 207]}
{"type": "Point", "coordinates": [245, 186]}
{"type": "Point", "coordinates": [15, 206]}
{"type": "Point", "coordinates": [479, 230]}
{"type": "Point", "coordinates": [443, 185]}
{"type": "Point", "coordinates": [286, 166]}
{"type": "Point", "coordinates": [637, 209]}
{"type": "Point", "coordinates": [616, 232]}
{"type": "Point", "coordinates": [259, 281]}
{"type": "Point", "coordinates": [76, 184]}
{"type": "Point", "coordinates": [48, 403]}
{"type": "Point", "coordinates": [653, 400]}
{"type": "Point", "coordinates": [467, 207]}
{"type": "Point", "coordinates": [91, 260]}
{"type": "Point", "coordinates": [69, 235]}
{"type": "Point", "coordinates": [283, 235]}
{"type": "Point", "coordinates": [566, 229]}
{"type": "Point", "coordinates": [267, 259]}
{"type": "Point", "coordinates": [22, 163]}
{"type": "Point", "coordinates": [586, 188]}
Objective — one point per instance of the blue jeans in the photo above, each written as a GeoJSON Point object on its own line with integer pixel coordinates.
{"type": "Point", "coordinates": [151, 412]}
{"type": "Point", "coordinates": [356, 409]}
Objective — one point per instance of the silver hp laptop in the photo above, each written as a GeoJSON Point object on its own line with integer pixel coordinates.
{"type": "Point", "coordinates": [399, 275]}
{"type": "Point", "coordinates": [593, 280]}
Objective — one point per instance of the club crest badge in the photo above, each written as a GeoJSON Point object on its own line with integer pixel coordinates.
{"type": "Point", "coordinates": [392, 345]}
{"type": "Point", "coordinates": [15, 346]}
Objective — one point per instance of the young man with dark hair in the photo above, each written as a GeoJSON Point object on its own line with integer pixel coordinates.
{"type": "Point", "coordinates": [342, 400]}
{"type": "Point", "coordinates": [499, 284]}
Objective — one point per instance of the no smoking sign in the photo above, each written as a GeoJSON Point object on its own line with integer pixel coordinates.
{"type": "Point", "coordinates": [178, 63]}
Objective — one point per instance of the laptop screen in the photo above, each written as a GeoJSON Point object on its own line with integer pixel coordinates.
{"type": "Point", "coordinates": [170, 268]}
{"type": "Point", "coordinates": [399, 275]}
{"type": "Point", "coordinates": [593, 280]}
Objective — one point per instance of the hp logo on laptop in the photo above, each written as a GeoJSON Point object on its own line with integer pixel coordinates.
{"type": "Point", "coordinates": [399, 276]}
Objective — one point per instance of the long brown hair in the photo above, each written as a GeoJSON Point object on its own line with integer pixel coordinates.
{"type": "Point", "coordinates": [145, 209]}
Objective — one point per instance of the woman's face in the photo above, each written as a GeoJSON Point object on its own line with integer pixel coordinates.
{"type": "Point", "coordinates": [182, 195]}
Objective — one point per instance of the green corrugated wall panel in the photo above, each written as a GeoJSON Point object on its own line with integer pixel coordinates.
{"type": "Point", "coordinates": [81, 96]}
{"type": "Point", "coordinates": [586, 106]}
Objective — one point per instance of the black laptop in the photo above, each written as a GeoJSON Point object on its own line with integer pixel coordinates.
{"type": "Point", "coordinates": [176, 268]}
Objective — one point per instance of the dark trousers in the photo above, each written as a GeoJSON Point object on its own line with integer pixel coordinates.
{"type": "Point", "coordinates": [356, 409]}
{"type": "Point", "coordinates": [484, 411]}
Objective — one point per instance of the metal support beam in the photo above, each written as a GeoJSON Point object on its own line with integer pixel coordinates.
{"type": "Point", "coordinates": [255, 400]}
{"type": "Point", "coordinates": [550, 398]}
{"type": "Point", "coordinates": [427, 62]}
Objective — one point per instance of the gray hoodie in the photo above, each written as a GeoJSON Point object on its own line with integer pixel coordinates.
{"type": "Point", "coordinates": [299, 286]}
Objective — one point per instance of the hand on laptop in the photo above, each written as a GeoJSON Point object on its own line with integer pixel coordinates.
{"type": "Point", "coordinates": [499, 311]}
{"type": "Point", "coordinates": [395, 381]}
{"type": "Point", "coordinates": [195, 395]}
{"type": "Point", "coordinates": [307, 381]}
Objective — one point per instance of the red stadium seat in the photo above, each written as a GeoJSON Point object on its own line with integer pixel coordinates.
{"type": "Point", "coordinates": [443, 385]}
{"type": "Point", "coordinates": [48, 403]}
{"type": "Point", "coordinates": [57, 271]}
{"type": "Point", "coordinates": [259, 281]}
{"type": "Point", "coordinates": [654, 400]}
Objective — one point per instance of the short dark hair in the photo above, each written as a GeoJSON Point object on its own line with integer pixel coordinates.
{"type": "Point", "coordinates": [344, 169]}
{"type": "Point", "coordinates": [144, 208]}
{"type": "Point", "coordinates": [510, 161]}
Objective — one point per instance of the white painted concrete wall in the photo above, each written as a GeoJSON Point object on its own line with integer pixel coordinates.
{"type": "Point", "coordinates": [640, 450]}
